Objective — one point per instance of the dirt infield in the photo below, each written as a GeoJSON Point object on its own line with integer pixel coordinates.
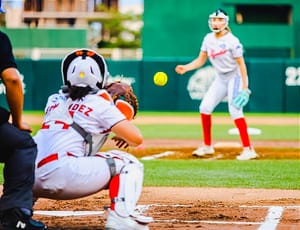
{"type": "Point", "coordinates": [193, 208]}
{"type": "Point", "coordinates": [188, 208]}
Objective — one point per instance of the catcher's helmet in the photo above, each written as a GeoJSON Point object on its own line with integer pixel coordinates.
{"type": "Point", "coordinates": [218, 26]}
{"type": "Point", "coordinates": [84, 67]}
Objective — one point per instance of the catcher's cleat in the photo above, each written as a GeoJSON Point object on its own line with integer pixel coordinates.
{"type": "Point", "coordinates": [247, 154]}
{"type": "Point", "coordinates": [203, 150]}
{"type": "Point", "coordinates": [116, 222]}
{"type": "Point", "coordinates": [15, 218]}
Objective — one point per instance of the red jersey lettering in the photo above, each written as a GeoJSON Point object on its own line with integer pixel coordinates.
{"type": "Point", "coordinates": [51, 108]}
{"type": "Point", "coordinates": [80, 108]}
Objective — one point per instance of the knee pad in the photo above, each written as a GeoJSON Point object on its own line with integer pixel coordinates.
{"type": "Point", "coordinates": [120, 159]}
{"type": "Point", "coordinates": [125, 188]}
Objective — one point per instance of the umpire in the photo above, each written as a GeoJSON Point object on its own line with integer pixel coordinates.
{"type": "Point", "coordinates": [18, 150]}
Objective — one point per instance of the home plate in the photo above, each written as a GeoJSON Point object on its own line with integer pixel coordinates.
{"type": "Point", "coordinates": [69, 213]}
{"type": "Point", "coordinates": [251, 131]}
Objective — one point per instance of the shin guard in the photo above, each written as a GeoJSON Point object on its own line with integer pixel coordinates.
{"type": "Point", "coordinates": [125, 188]}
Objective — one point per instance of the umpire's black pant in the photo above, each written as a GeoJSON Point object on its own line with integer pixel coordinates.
{"type": "Point", "coordinates": [18, 152]}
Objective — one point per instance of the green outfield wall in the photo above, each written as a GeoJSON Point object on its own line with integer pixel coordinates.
{"type": "Point", "coordinates": [275, 84]}
{"type": "Point", "coordinates": [266, 28]}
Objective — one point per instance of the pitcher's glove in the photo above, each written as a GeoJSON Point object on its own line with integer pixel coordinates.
{"type": "Point", "coordinates": [124, 98]}
{"type": "Point", "coordinates": [241, 99]}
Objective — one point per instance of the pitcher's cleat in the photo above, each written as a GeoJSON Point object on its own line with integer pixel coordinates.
{"type": "Point", "coordinates": [247, 154]}
{"type": "Point", "coordinates": [203, 150]}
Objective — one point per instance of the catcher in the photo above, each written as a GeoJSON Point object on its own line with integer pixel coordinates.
{"type": "Point", "coordinates": [77, 122]}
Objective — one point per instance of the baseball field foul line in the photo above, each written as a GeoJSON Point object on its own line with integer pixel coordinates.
{"type": "Point", "coordinates": [152, 157]}
{"type": "Point", "coordinates": [209, 222]}
{"type": "Point", "coordinates": [69, 213]}
{"type": "Point", "coordinates": [270, 223]}
{"type": "Point", "coordinates": [272, 219]}
{"type": "Point", "coordinates": [274, 215]}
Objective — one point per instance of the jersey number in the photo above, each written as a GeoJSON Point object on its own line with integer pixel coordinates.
{"type": "Point", "coordinates": [292, 76]}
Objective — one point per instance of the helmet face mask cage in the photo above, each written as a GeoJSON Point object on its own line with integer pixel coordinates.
{"type": "Point", "coordinates": [84, 67]}
{"type": "Point", "coordinates": [218, 25]}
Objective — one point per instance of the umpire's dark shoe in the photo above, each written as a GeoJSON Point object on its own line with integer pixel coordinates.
{"type": "Point", "coordinates": [15, 218]}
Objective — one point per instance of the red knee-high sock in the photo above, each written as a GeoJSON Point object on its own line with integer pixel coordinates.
{"type": "Point", "coordinates": [241, 124]}
{"type": "Point", "coordinates": [206, 128]}
{"type": "Point", "coordinates": [114, 190]}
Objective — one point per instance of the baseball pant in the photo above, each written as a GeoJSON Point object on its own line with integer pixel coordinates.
{"type": "Point", "coordinates": [18, 152]}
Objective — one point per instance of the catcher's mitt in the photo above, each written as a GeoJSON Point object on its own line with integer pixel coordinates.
{"type": "Point", "coordinates": [124, 98]}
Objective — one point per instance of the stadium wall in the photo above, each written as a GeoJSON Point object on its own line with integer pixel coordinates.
{"type": "Point", "coordinates": [275, 83]}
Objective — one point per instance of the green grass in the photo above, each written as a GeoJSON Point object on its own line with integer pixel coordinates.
{"type": "Point", "coordinates": [216, 114]}
{"type": "Point", "coordinates": [190, 131]}
{"type": "Point", "coordinates": [275, 174]}
{"type": "Point", "coordinates": [191, 114]}
{"type": "Point", "coordinates": [219, 132]}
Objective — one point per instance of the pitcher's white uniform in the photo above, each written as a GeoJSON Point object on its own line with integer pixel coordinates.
{"type": "Point", "coordinates": [225, 53]}
{"type": "Point", "coordinates": [222, 53]}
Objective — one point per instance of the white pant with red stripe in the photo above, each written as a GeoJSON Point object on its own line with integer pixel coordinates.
{"type": "Point", "coordinates": [69, 177]}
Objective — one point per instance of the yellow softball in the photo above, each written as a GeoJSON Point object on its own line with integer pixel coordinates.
{"type": "Point", "coordinates": [160, 78]}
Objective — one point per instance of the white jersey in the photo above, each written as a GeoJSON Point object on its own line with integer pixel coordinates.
{"type": "Point", "coordinates": [222, 51]}
{"type": "Point", "coordinates": [95, 113]}
{"type": "Point", "coordinates": [63, 169]}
